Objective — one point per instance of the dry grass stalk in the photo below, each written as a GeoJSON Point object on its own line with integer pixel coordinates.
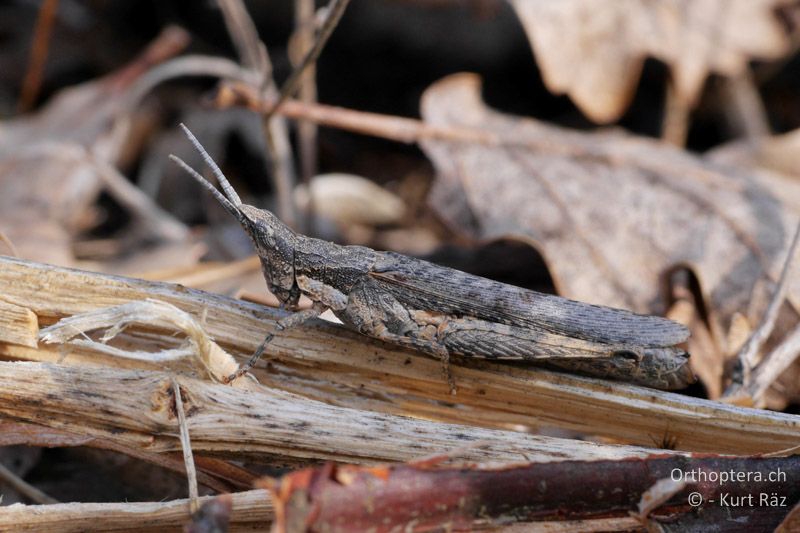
{"type": "Point", "coordinates": [251, 509]}
{"type": "Point", "coordinates": [186, 448]}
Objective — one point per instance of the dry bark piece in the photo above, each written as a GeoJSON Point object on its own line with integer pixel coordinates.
{"type": "Point", "coordinates": [611, 213]}
{"type": "Point", "coordinates": [594, 50]}
{"type": "Point", "coordinates": [391, 498]}
{"type": "Point", "coordinates": [21, 325]}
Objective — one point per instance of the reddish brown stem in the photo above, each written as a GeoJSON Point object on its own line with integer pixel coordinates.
{"type": "Point", "coordinates": [339, 498]}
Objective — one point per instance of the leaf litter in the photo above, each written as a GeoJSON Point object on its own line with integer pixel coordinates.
{"type": "Point", "coordinates": [613, 214]}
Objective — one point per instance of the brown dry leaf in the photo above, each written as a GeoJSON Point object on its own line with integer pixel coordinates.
{"type": "Point", "coordinates": [776, 154]}
{"type": "Point", "coordinates": [708, 360]}
{"type": "Point", "coordinates": [54, 163]}
{"type": "Point", "coordinates": [612, 213]}
{"type": "Point", "coordinates": [593, 50]}
{"type": "Point", "coordinates": [775, 160]}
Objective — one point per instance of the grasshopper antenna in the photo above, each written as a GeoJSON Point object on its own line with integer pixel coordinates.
{"type": "Point", "coordinates": [223, 181]}
{"type": "Point", "coordinates": [229, 207]}
{"type": "Point", "coordinates": [232, 205]}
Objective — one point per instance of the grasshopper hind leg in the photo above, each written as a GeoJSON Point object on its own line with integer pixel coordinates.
{"type": "Point", "coordinates": [376, 313]}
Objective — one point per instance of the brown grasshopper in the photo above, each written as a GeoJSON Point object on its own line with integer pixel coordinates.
{"type": "Point", "coordinates": [441, 311]}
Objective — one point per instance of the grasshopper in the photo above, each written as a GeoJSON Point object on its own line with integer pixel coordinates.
{"type": "Point", "coordinates": [441, 311]}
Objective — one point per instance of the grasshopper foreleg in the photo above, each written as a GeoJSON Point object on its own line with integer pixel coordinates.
{"type": "Point", "coordinates": [287, 322]}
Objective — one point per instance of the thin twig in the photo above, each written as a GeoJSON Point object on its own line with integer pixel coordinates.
{"type": "Point", "coordinates": [245, 37]}
{"type": "Point", "coordinates": [253, 509]}
{"type": "Point", "coordinates": [32, 82]}
{"type": "Point", "coordinates": [276, 133]}
{"type": "Point", "coordinates": [157, 221]}
{"type": "Point", "coordinates": [744, 106]}
{"type": "Point", "coordinates": [281, 167]}
{"type": "Point", "coordinates": [676, 117]}
{"type": "Point", "coordinates": [409, 131]}
{"type": "Point", "coordinates": [189, 65]}
{"type": "Point", "coordinates": [306, 130]}
{"type": "Point", "coordinates": [773, 366]}
{"type": "Point", "coordinates": [169, 43]}
{"type": "Point", "coordinates": [23, 487]}
{"type": "Point", "coordinates": [186, 446]}
{"type": "Point", "coordinates": [335, 9]}
{"type": "Point", "coordinates": [305, 28]}
{"type": "Point", "coordinates": [655, 497]}
{"type": "Point", "coordinates": [400, 129]}
{"type": "Point", "coordinates": [748, 355]}
{"type": "Point", "coordinates": [782, 453]}
{"type": "Point", "coordinates": [394, 128]}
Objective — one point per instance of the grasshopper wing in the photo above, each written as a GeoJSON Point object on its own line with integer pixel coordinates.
{"type": "Point", "coordinates": [426, 286]}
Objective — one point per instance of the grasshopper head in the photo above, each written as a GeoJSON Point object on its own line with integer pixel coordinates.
{"type": "Point", "coordinates": [274, 241]}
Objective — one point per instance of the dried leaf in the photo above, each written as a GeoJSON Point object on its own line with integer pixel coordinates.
{"type": "Point", "coordinates": [21, 324]}
{"type": "Point", "coordinates": [611, 213]}
{"type": "Point", "coordinates": [593, 50]}
{"type": "Point", "coordinates": [707, 359]}
{"type": "Point", "coordinates": [54, 163]}
{"type": "Point", "coordinates": [772, 159]}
